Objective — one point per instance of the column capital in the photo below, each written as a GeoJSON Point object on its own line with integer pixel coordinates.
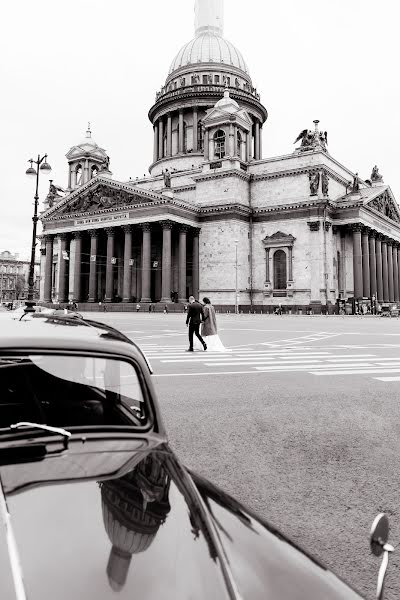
{"type": "Point", "coordinates": [110, 231]}
{"type": "Point", "coordinates": [145, 226]}
{"type": "Point", "coordinates": [167, 224]}
{"type": "Point", "coordinates": [328, 225]}
{"type": "Point", "coordinates": [49, 237]}
{"type": "Point", "coordinates": [396, 244]}
{"type": "Point", "coordinates": [356, 227]}
{"type": "Point", "coordinates": [389, 241]}
{"type": "Point", "coordinates": [127, 228]}
{"type": "Point", "coordinates": [77, 235]}
{"type": "Point", "coordinates": [379, 236]}
{"type": "Point", "coordinates": [335, 229]}
{"type": "Point", "coordinates": [183, 228]}
{"type": "Point", "coordinates": [384, 239]}
{"type": "Point", "coordinates": [372, 233]}
{"type": "Point", "coordinates": [196, 231]}
{"type": "Point", "coordinates": [43, 251]}
{"type": "Point", "coordinates": [314, 225]}
{"type": "Point", "coordinates": [62, 236]}
{"type": "Point", "coordinates": [94, 233]}
{"type": "Point", "coordinates": [366, 230]}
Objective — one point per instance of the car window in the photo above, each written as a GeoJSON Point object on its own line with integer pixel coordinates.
{"type": "Point", "coordinates": [67, 391]}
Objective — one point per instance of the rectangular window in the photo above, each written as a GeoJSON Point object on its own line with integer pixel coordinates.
{"type": "Point", "coordinates": [216, 79]}
{"type": "Point", "coordinates": [205, 79]}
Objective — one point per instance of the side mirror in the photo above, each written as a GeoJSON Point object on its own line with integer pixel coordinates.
{"type": "Point", "coordinates": [379, 545]}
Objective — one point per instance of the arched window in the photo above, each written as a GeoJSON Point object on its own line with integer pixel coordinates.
{"type": "Point", "coordinates": [280, 276]}
{"type": "Point", "coordinates": [94, 171]}
{"type": "Point", "coordinates": [219, 144]}
{"type": "Point", "coordinates": [200, 136]}
{"type": "Point", "coordinates": [239, 144]}
{"type": "Point", "coordinates": [78, 172]}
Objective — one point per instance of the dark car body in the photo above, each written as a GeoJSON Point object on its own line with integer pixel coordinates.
{"type": "Point", "coordinates": [115, 514]}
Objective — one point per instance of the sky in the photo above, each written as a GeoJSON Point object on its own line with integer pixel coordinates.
{"type": "Point", "coordinates": [65, 63]}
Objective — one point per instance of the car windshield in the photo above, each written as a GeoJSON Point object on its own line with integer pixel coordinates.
{"type": "Point", "coordinates": [69, 391]}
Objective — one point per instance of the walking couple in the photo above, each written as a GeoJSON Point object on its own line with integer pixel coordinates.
{"type": "Point", "coordinates": [204, 315]}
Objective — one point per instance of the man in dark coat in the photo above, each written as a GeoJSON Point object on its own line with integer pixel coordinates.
{"type": "Point", "coordinates": [195, 316]}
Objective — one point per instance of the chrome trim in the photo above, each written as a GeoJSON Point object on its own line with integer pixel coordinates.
{"type": "Point", "coordinates": [12, 548]}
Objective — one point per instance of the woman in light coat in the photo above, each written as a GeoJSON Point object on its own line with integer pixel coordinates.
{"type": "Point", "coordinates": [209, 330]}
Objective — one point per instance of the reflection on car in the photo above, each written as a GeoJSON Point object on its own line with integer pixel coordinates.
{"type": "Point", "coordinates": [96, 503]}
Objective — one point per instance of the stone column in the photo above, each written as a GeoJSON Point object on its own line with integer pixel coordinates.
{"type": "Point", "coordinates": [166, 261]}
{"type": "Point", "coordinates": [169, 135]}
{"type": "Point", "coordinates": [182, 264]}
{"type": "Point", "coordinates": [160, 138]}
{"type": "Point", "coordinates": [62, 287]}
{"type": "Point", "coordinates": [396, 272]}
{"type": "Point", "coordinates": [86, 175]}
{"type": "Point", "coordinates": [257, 140]}
{"type": "Point", "coordinates": [290, 263]}
{"type": "Point", "coordinates": [260, 150]}
{"type": "Point", "coordinates": [195, 122]}
{"type": "Point", "coordinates": [231, 144]}
{"type": "Point", "coordinates": [206, 145]}
{"type": "Point", "coordinates": [94, 239]}
{"type": "Point", "coordinates": [390, 269]}
{"type": "Point", "coordinates": [195, 264]}
{"type": "Point", "coordinates": [372, 263]}
{"type": "Point", "coordinates": [385, 276]}
{"type": "Point", "coordinates": [155, 149]}
{"type": "Point", "coordinates": [398, 262]}
{"type": "Point", "coordinates": [365, 263]}
{"type": "Point", "coordinates": [110, 231]}
{"type": "Point", "coordinates": [248, 147]}
{"type": "Point", "coordinates": [126, 293]}
{"type": "Point", "coordinates": [379, 270]}
{"type": "Point", "coordinates": [48, 272]}
{"type": "Point", "coordinates": [180, 138]}
{"type": "Point", "coordinates": [146, 262]}
{"type": "Point", "coordinates": [78, 265]}
{"type": "Point", "coordinates": [267, 279]}
{"type": "Point", "coordinates": [357, 261]}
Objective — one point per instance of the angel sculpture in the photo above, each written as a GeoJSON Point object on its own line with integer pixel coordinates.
{"type": "Point", "coordinates": [306, 136]}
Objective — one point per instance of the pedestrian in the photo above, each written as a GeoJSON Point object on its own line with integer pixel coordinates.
{"type": "Point", "coordinates": [209, 329]}
{"type": "Point", "coordinates": [137, 307]}
{"type": "Point", "coordinates": [150, 307]}
{"type": "Point", "coordinates": [185, 308]}
{"type": "Point", "coordinates": [194, 317]}
{"type": "Point", "coordinates": [165, 309]}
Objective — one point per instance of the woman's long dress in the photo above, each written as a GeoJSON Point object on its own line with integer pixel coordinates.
{"type": "Point", "coordinates": [209, 331]}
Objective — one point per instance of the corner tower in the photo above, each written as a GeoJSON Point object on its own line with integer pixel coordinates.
{"type": "Point", "coordinates": [198, 75]}
{"type": "Point", "coordinates": [85, 161]}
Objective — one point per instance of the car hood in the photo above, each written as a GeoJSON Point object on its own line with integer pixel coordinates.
{"type": "Point", "coordinates": [144, 530]}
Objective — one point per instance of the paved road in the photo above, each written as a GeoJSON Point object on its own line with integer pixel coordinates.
{"type": "Point", "coordinates": [299, 419]}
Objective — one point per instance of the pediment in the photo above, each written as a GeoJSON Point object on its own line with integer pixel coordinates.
{"type": "Point", "coordinates": [85, 150]}
{"type": "Point", "coordinates": [385, 204]}
{"type": "Point", "coordinates": [97, 195]}
{"type": "Point", "coordinates": [277, 239]}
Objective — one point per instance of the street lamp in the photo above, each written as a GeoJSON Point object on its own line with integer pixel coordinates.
{"type": "Point", "coordinates": [236, 277]}
{"type": "Point", "coordinates": [41, 165]}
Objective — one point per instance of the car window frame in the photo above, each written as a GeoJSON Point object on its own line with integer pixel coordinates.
{"type": "Point", "coordinates": [89, 429]}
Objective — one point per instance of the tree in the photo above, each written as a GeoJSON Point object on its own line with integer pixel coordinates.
{"type": "Point", "coordinates": [19, 285]}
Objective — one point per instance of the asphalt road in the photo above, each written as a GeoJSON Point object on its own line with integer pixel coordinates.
{"type": "Point", "coordinates": [299, 420]}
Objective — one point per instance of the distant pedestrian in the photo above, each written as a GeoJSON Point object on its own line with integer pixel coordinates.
{"type": "Point", "coordinates": [150, 307]}
{"type": "Point", "coordinates": [165, 309]}
{"type": "Point", "coordinates": [194, 317]}
{"type": "Point", "coordinates": [185, 308]}
{"type": "Point", "coordinates": [137, 307]}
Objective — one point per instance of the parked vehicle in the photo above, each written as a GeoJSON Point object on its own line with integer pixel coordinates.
{"type": "Point", "coordinates": [94, 500]}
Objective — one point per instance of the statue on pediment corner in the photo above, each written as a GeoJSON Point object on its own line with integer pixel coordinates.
{"type": "Point", "coordinates": [106, 164]}
{"type": "Point", "coordinates": [375, 175]}
{"type": "Point", "coordinates": [355, 188]}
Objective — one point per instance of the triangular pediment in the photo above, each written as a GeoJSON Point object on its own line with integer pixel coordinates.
{"type": "Point", "coordinates": [385, 203]}
{"type": "Point", "coordinates": [278, 239]}
{"type": "Point", "coordinates": [219, 115]}
{"type": "Point", "coordinates": [98, 195]}
{"type": "Point", "coordinates": [85, 150]}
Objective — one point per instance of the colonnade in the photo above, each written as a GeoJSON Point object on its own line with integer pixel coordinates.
{"type": "Point", "coordinates": [163, 128]}
{"type": "Point", "coordinates": [107, 263]}
{"type": "Point", "coordinates": [376, 265]}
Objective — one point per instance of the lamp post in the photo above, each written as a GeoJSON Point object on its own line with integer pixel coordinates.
{"type": "Point", "coordinates": [236, 277]}
{"type": "Point", "coordinates": [41, 165]}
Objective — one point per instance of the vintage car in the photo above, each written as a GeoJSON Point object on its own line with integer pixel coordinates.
{"type": "Point", "coordinates": [94, 504]}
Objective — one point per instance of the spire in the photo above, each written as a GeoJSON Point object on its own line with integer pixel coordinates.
{"type": "Point", "coordinates": [88, 131]}
{"type": "Point", "coordinates": [209, 16]}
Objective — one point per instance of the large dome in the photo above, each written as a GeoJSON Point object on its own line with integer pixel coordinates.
{"type": "Point", "coordinates": [208, 47]}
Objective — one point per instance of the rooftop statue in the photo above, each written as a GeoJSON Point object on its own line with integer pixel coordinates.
{"type": "Point", "coordinates": [375, 175]}
{"type": "Point", "coordinates": [355, 188]}
{"type": "Point", "coordinates": [312, 139]}
{"type": "Point", "coordinates": [167, 178]}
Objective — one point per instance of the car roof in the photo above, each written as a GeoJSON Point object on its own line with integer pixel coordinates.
{"type": "Point", "coordinates": [58, 332]}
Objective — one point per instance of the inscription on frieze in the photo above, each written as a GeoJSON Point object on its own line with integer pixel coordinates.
{"type": "Point", "coordinates": [101, 219]}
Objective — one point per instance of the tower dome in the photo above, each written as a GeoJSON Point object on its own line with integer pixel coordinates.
{"type": "Point", "coordinates": [196, 80]}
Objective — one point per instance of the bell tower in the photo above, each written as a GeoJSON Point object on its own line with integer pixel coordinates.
{"type": "Point", "coordinates": [85, 161]}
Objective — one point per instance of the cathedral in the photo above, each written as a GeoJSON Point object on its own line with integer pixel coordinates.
{"type": "Point", "coordinates": [215, 218]}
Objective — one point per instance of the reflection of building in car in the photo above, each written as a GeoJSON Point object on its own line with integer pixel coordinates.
{"type": "Point", "coordinates": [134, 508]}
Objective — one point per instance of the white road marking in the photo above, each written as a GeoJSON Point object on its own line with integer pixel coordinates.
{"type": "Point", "coordinates": [311, 368]}
{"type": "Point", "coordinates": [387, 378]}
{"type": "Point", "coordinates": [356, 371]}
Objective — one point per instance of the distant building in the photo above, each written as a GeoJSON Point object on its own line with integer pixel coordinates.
{"type": "Point", "coordinates": [215, 218]}
{"type": "Point", "coordinates": [14, 276]}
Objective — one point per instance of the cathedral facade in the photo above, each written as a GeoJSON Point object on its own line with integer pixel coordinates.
{"type": "Point", "coordinates": [215, 218]}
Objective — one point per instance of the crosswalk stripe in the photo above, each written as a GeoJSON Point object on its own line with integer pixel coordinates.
{"type": "Point", "coordinates": [355, 371]}
{"type": "Point", "coordinates": [387, 378]}
{"type": "Point", "coordinates": [311, 368]}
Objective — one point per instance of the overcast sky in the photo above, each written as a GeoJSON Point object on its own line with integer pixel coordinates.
{"type": "Point", "coordinates": [65, 63]}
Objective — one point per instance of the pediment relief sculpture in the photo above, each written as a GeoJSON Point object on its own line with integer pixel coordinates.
{"type": "Point", "coordinates": [279, 239]}
{"type": "Point", "coordinates": [99, 199]}
{"type": "Point", "coordinates": [385, 205]}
